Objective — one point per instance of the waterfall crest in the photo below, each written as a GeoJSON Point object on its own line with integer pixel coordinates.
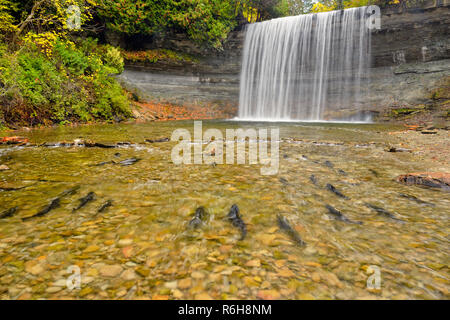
{"type": "Point", "coordinates": [305, 67]}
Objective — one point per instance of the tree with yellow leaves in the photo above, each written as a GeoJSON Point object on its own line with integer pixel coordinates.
{"type": "Point", "coordinates": [59, 16]}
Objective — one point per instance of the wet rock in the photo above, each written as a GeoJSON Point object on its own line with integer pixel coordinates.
{"type": "Point", "coordinates": [171, 285]}
{"type": "Point", "coordinates": [197, 275]}
{"type": "Point", "coordinates": [124, 242]}
{"type": "Point", "coordinates": [440, 180]}
{"type": "Point", "coordinates": [34, 269]}
{"type": "Point", "coordinates": [268, 294]}
{"type": "Point", "coordinates": [203, 296]}
{"type": "Point", "coordinates": [128, 275]}
{"type": "Point", "coordinates": [110, 270]}
{"type": "Point", "coordinates": [253, 263]}
{"type": "Point", "coordinates": [185, 283]}
{"type": "Point", "coordinates": [142, 271]}
{"type": "Point", "coordinates": [91, 248]}
{"type": "Point", "coordinates": [53, 289]}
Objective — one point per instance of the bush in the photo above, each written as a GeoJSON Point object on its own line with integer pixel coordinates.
{"type": "Point", "coordinates": [64, 82]}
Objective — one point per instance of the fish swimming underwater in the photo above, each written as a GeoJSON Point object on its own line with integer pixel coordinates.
{"type": "Point", "coordinates": [55, 203]}
{"type": "Point", "coordinates": [415, 199]}
{"type": "Point", "coordinates": [339, 216]}
{"type": "Point", "coordinates": [331, 188]}
{"type": "Point", "coordinates": [198, 218]}
{"type": "Point", "coordinates": [284, 224]}
{"type": "Point", "coordinates": [105, 206]}
{"type": "Point", "coordinates": [383, 212]}
{"type": "Point", "coordinates": [235, 218]}
{"type": "Point", "coordinates": [129, 162]}
{"type": "Point", "coordinates": [85, 200]}
{"type": "Point", "coordinates": [8, 213]}
{"type": "Point", "coordinates": [329, 164]}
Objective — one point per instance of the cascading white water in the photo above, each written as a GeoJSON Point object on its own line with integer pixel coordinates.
{"type": "Point", "coordinates": [300, 67]}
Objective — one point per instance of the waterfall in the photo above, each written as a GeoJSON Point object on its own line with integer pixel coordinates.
{"type": "Point", "coordinates": [305, 67]}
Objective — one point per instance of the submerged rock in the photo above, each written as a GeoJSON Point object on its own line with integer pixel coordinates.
{"type": "Point", "coordinates": [439, 180]}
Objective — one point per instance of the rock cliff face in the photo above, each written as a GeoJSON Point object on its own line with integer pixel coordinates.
{"type": "Point", "coordinates": [410, 57]}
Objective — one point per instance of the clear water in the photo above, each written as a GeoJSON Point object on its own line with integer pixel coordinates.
{"type": "Point", "coordinates": [146, 229]}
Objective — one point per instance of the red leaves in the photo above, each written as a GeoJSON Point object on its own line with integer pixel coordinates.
{"type": "Point", "coordinates": [13, 140]}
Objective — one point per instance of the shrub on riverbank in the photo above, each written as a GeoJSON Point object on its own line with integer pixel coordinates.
{"type": "Point", "coordinates": [52, 80]}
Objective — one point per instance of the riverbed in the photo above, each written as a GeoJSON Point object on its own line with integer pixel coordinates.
{"type": "Point", "coordinates": [143, 248]}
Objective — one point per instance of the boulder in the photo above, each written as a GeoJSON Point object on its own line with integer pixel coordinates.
{"type": "Point", "coordinates": [429, 179]}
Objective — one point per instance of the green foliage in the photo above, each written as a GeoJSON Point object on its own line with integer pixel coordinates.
{"type": "Point", "coordinates": [113, 58]}
{"type": "Point", "coordinates": [329, 5]}
{"type": "Point", "coordinates": [74, 83]}
{"type": "Point", "coordinates": [207, 21]}
{"type": "Point", "coordinates": [7, 21]}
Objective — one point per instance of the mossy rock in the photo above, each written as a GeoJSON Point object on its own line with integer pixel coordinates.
{"type": "Point", "coordinates": [405, 111]}
{"type": "Point", "coordinates": [443, 91]}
